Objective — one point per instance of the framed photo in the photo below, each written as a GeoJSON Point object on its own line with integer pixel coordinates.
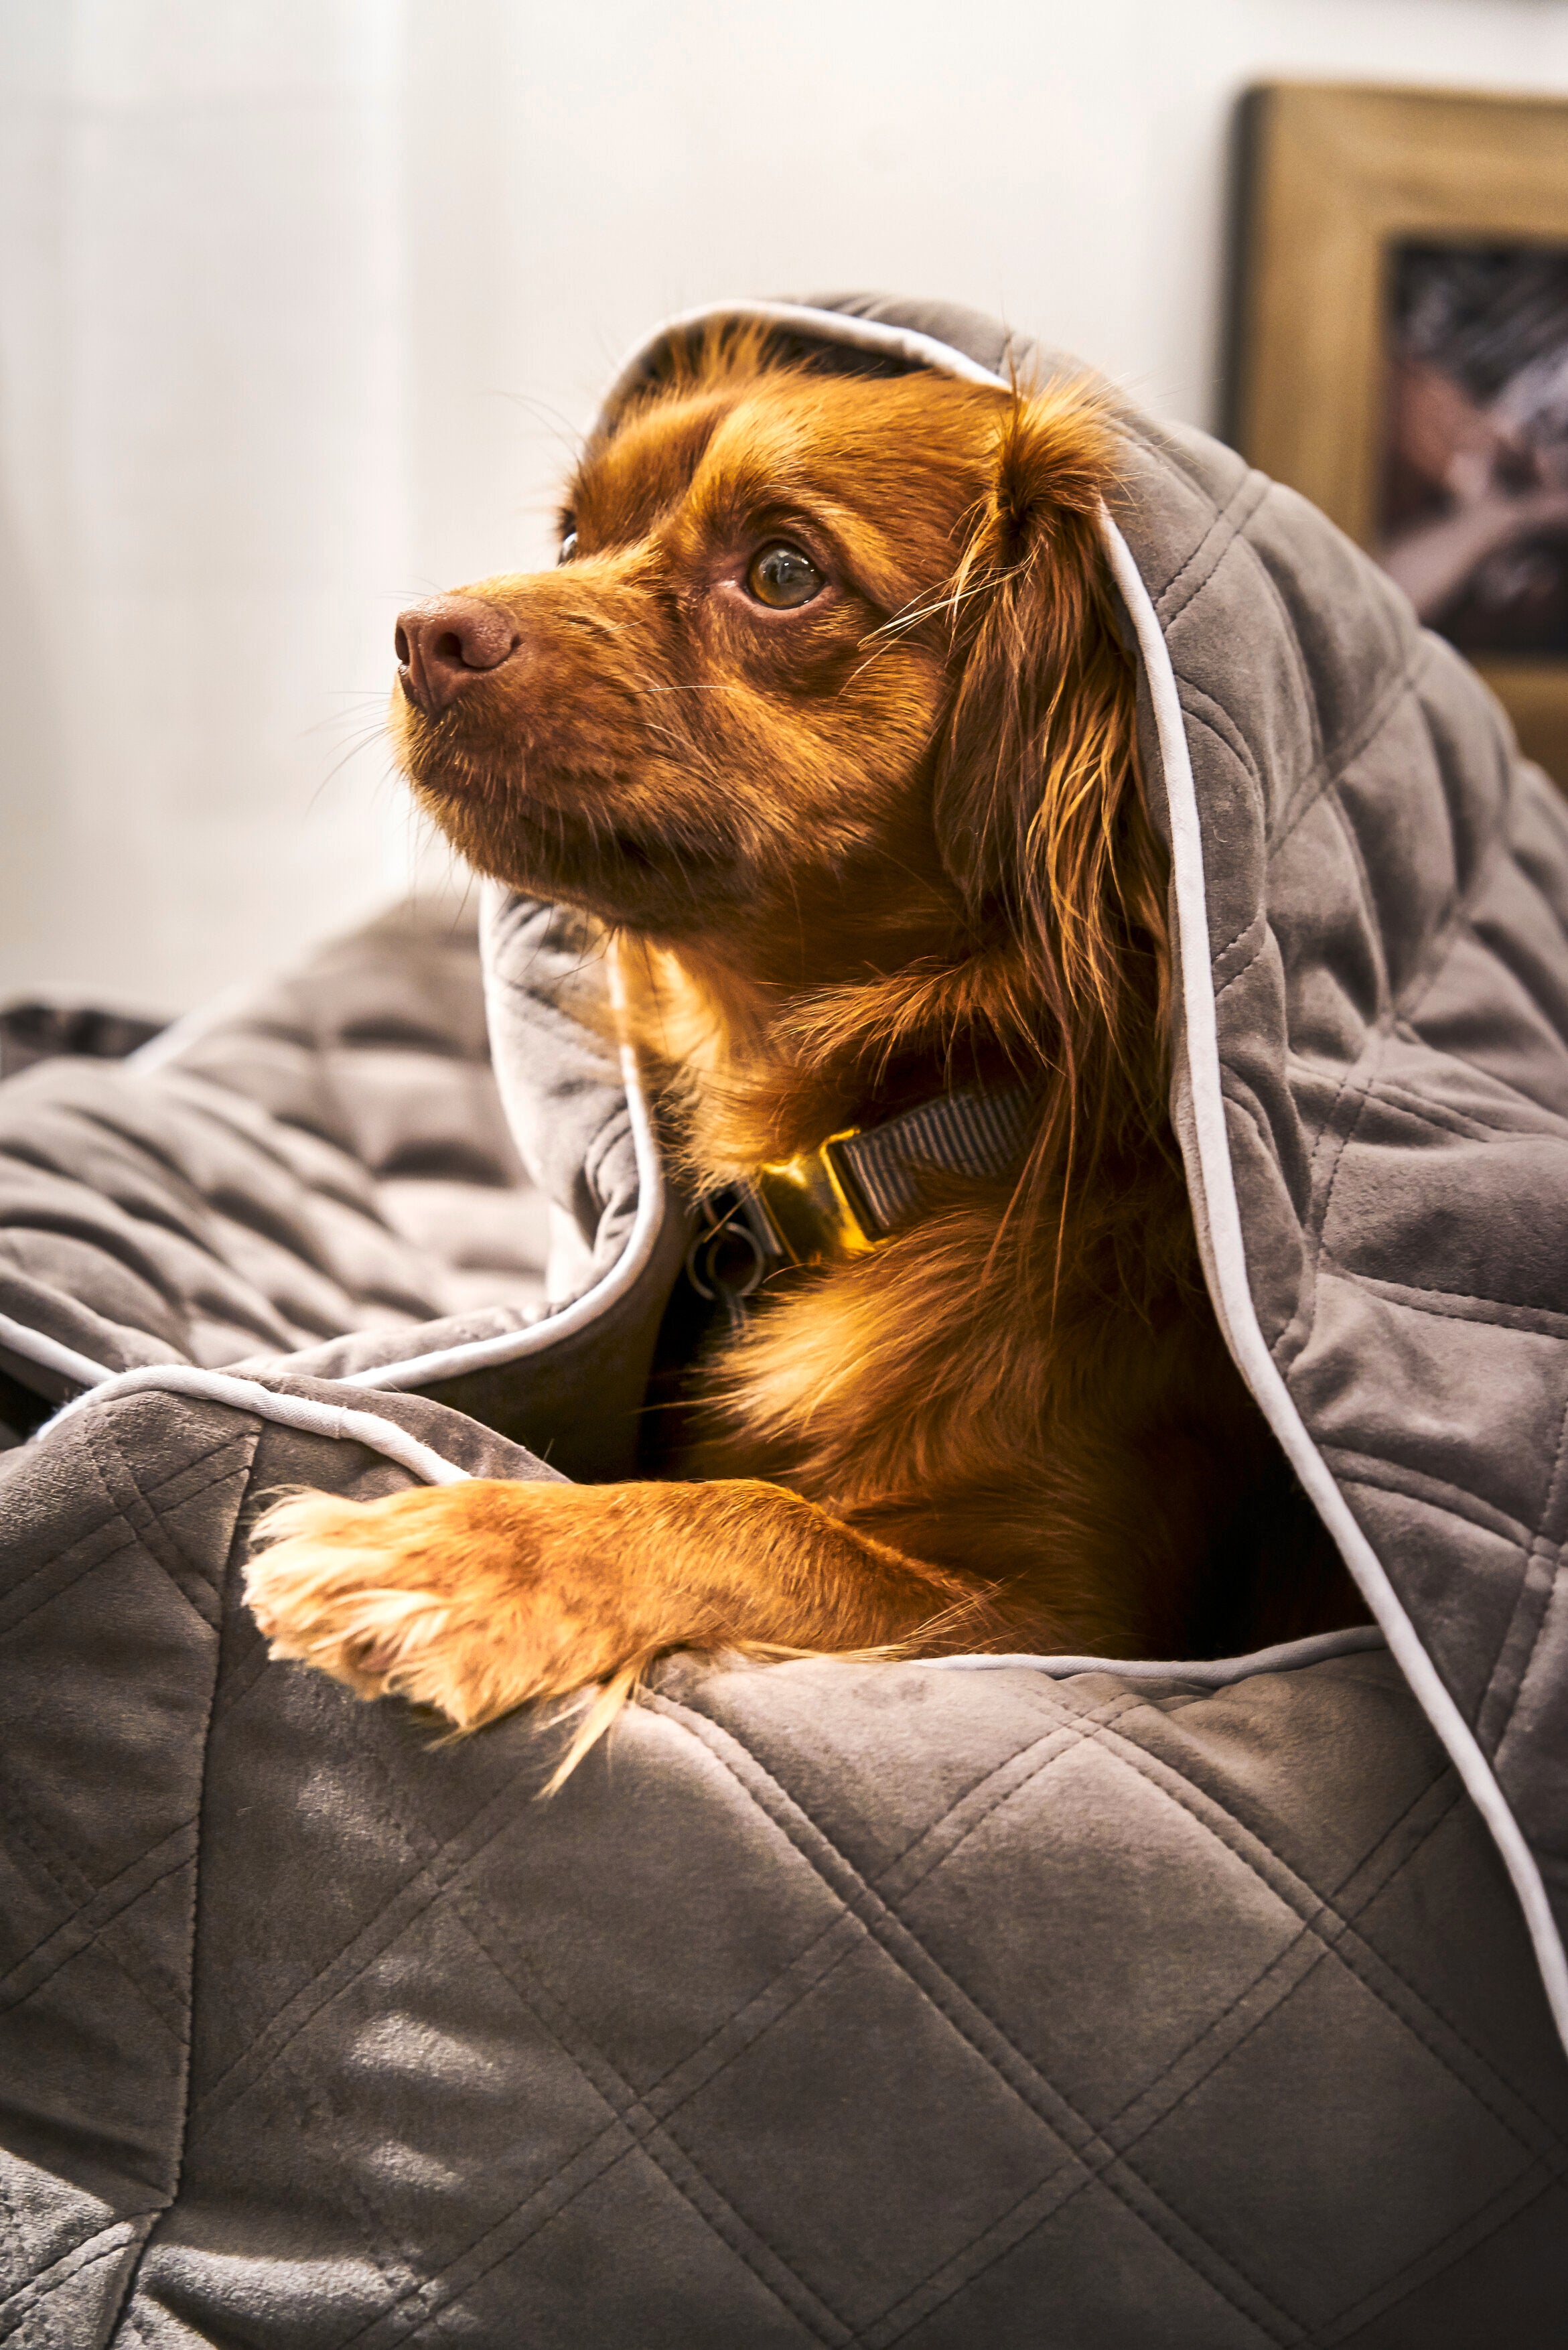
{"type": "Point", "coordinates": [1398, 352]}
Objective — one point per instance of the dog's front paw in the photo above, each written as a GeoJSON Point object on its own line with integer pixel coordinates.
{"type": "Point", "coordinates": [446, 1595]}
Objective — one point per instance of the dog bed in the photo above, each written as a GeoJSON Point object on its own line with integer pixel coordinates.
{"type": "Point", "coordinates": [1198, 2003]}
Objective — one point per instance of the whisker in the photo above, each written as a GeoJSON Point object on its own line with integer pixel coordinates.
{"type": "Point", "coordinates": [366, 700]}
{"type": "Point", "coordinates": [353, 751]}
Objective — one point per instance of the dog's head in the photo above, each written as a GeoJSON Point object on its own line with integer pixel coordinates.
{"type": "Point", "coordinates": [826, 684]}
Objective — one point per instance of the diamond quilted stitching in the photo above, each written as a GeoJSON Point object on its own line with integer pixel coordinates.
{"type": "Point", "coordinates": [1124, 1887]}
{"type": "Point", "coordinates": [556, 1893]}
{"type": "Point", "coordinates": [109, 1667]}
{"type": "Point", "coordinates": [1507, 2266]}
{"type": "Point", "coordinates": [335, 1995]}
{"type": "Point", "coordinates": [971, 2022]}
{"type": "Point", "coordinates": [623, 2259]}
{"type": "Point", "coordinates": [102, 1917]}
{"type": "Point", "coordinates": [851, 2099]}
{"type": "Point", "coordinates": [695, 1980]}
{"type": "Point", "coordinates": [907, 1722]}
{"type": "Point", "coordinates": [681, 1831]}
{"type": "Point", "coordinates": [268, 1981]}
{"type": "Point", "coordinates": [1080, 2275]}
{"type": "Point", "coordinates": [74, 2299]}
{"type": "Point", "coordinates": [50, 2229]}
{"type": "Point", "coordinates": [375, 2128]}
{"type": "Point", "coordinates": [1301, 1958]}
{"type": "Point", "coordinates": [1428, 2182]}
{"type": "Point", "coordinates": [389, 2110]}
{"type": "Point", "coordinates": [1471, 1970]}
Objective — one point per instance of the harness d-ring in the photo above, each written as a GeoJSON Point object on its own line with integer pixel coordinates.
{"type": "Point", "coordinates": [704, 1252]}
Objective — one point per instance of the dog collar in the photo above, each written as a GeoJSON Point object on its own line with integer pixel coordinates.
{"type": "Point", "coordinates": [843, 1198]}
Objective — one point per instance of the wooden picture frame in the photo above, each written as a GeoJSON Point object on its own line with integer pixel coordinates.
{"type": "Point", "coordinates": [1336, 184]}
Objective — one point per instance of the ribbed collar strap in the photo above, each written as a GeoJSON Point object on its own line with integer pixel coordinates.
{"type": "Point", "coordinates": [845, 1196]}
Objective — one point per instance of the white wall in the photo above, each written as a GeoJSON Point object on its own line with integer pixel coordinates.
{"type": "Point", "coordinates": [304, 299]}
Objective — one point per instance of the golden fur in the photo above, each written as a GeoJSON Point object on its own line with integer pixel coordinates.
{"type": "Point", "coordinates": [853, 853]}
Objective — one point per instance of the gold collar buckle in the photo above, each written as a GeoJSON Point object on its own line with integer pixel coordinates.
{"type": "Point", "coordinates": [812, 1206]}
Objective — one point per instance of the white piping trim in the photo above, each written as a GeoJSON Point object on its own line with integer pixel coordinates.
{"type": "Point", "coordinates": [191, 1026]}
{"type": "Point", "coordinates": [830, 325]}
{"type": "Point", "coordinates": [535, 1338]}
{"type": "Point", "coordinates": [35, 1347]}
{"type": "Point", "coordinates": [1233, 1297]}
{"type": "Point", "coordinates": [512, 1345]}
{"type": "Point", "coordinates": [304, 1412]}
{"type": "Point", "coordinates": [1206, 1672]}
{"type": "Point", "coordinates": [516, 1346]}
{"type": "Point", "coordinates": [476, 1353]}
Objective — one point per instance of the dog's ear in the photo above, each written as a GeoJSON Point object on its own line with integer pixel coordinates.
{"type": "Point", "coordinates": [1037, 809]}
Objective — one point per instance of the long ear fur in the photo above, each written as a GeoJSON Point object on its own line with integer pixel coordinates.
{"type": "Point", "coordinates": [1038, 810]}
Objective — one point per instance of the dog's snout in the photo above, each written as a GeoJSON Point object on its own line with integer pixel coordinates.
{"type": "Point", "coordinates": [443, 645]}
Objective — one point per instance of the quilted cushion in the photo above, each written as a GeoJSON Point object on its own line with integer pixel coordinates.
{"type": "Point", "coordinates": [328, 1155]}
{"type": "Point", "coordinates": [830, 2004]}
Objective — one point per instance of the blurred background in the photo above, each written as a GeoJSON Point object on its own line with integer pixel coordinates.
{"type": "Point", "coordinates": [303, 301]}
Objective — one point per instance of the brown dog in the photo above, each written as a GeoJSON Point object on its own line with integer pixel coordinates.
{"type": "Point", "coordinates": [825, 717]}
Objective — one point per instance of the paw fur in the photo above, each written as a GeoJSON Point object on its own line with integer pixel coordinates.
{"type": "Point", "coordinates": [426, 1594]}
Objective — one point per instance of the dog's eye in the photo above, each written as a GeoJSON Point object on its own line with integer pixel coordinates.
{"type": "Point", "coordinates": [782, 577]}
{"type": "Point", "coordinates": [568, 547]}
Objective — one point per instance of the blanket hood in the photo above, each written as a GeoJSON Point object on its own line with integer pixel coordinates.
{"type": "Point", "coordinates": [1369, 900]}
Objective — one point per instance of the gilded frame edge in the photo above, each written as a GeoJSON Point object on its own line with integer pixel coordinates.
{"type": "Point", "coordinates": [1327, 176]}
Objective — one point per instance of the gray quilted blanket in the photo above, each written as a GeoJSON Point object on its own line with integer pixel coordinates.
{"type": "Point", "coordinates": [1025, 2001]}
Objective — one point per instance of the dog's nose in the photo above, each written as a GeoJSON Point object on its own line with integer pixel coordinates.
{"type": "Point", "coordinates": [443, 645]}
